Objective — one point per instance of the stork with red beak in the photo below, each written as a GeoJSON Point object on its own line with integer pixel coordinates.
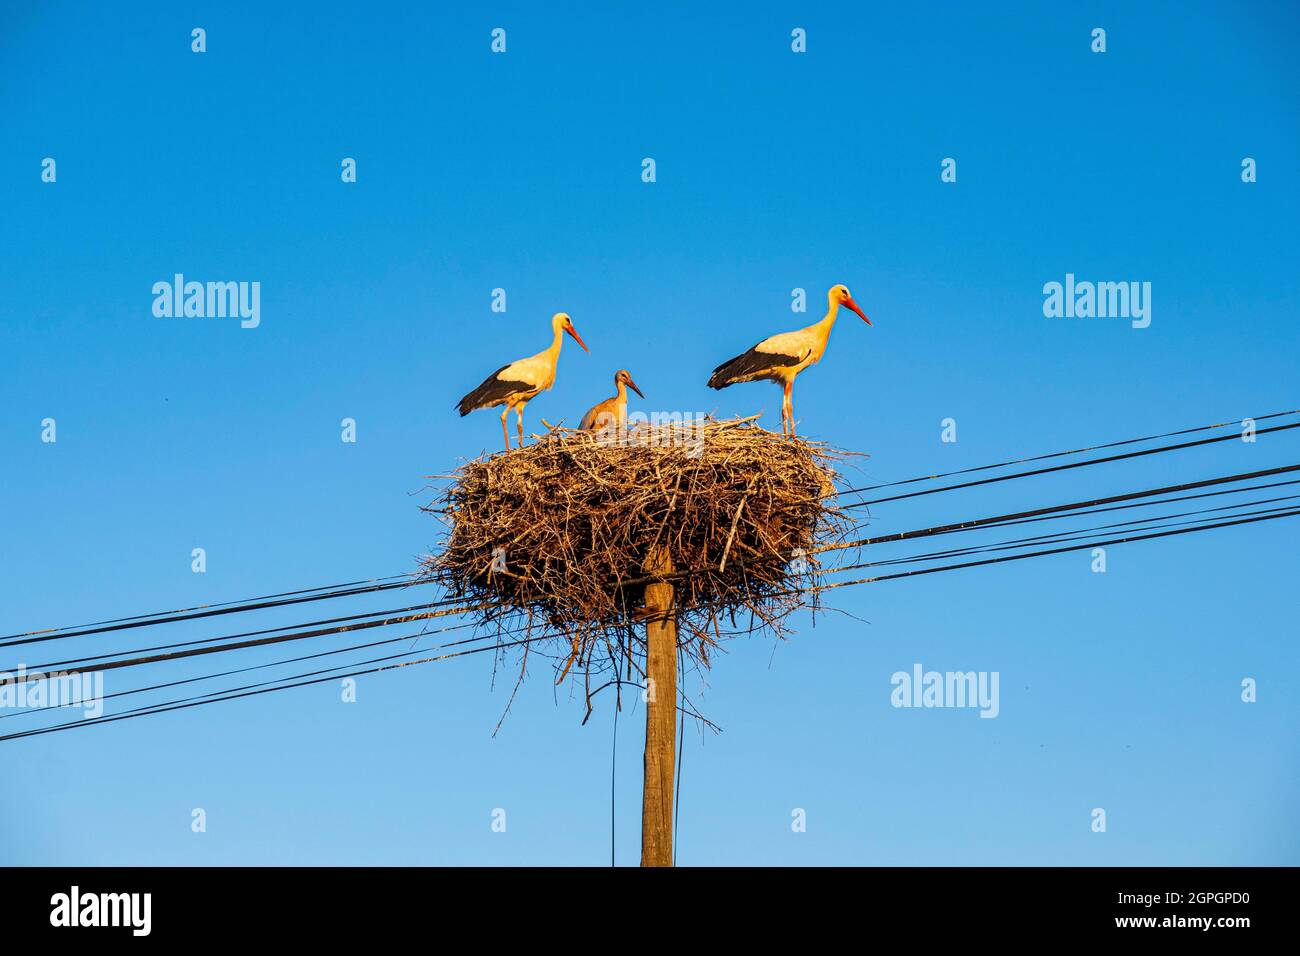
{"type": "Point", "coordinates": [518, 383]}
{"type": "Point", "coordinates": [612, 412]}
{"type": "Point", "coordinates": [782, 357]}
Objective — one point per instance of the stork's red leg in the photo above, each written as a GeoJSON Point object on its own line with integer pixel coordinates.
{"type": "Point", "coordinates": [519, 420]}
{"type": "Point", "coordinates": [505, 432]}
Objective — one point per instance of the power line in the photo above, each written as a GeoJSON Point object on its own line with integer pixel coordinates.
{"type": "Point", "coordinates": [613, 776]}
{"type": "Point", "coordinates": [351, 588]}
{"type": "Point", "coordinates": [234, 646]}
{"type": "Point", "coordinates": [370, 585]}
{"type": "Point", "coordinates": [94, 721]}
{"type": "Point", "coordinates": [1062, 536]}
{"type": "Point", "coordinates": [388, 657]}
{"type": "Point", "coordinates": [29, 637]}
{"type": "Point", "coordinates": [232, 637]}
{"type": "Point", "coordinates": [1036, 554]}
{"type": "Point", "coordinates": [1140, 504]}
{"type": "Point", "coordinates": [276, 663]}
{"type": "Point", "coordinates": [1065, 510]}
{"type": "Point", "coordinates": [1072, 534]}
{"type": "Point", "coordinates": [294, 597]}
{"type": "Point", "coordinates": [993, 521]}
{"type": "Point", "coordinates": [254, 690]}
{"type": "Point", "coordinates": [1062, 454]}
{"type": "Point", "coordinates": [1054, 468]}
{"type": "Point", "coordinates": [377, 584]}
{"type": "Point", "coordinates": [1058, 509]}
{"type": "Point", "coordinates": [200, 607]}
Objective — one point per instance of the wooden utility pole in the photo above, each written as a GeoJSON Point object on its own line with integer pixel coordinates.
{"type": "Point", "coordinates": [660, 714]}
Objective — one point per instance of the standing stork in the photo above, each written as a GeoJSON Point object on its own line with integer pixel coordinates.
{"type": "Point", "coordinates": [518, 383]}
{"type": "Point", "coordinates": [612, 411]}
{"type": "Point", "coordinates": [782, 357]}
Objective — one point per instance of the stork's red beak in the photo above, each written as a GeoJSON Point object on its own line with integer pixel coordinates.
{"type": "Point", "coordinates": [854, 306]}
{"type": "Point", "coordinates": [577, 338]}
{"type": "Point", "coordinates": [632, 385]}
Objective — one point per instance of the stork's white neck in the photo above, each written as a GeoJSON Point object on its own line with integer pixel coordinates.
{"type": "Point", "coordinates": [827, 323]}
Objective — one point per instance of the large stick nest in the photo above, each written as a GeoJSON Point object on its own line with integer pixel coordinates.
{"type": "Point", "coordinates": [562, 537]}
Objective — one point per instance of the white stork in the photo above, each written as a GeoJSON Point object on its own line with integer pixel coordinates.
{"type": "Point", "coordinates": [612, 412]}
{"type": "Point", "coordinates": [518, 383]}
{"type": "Point", "coordinates": [782, 357]}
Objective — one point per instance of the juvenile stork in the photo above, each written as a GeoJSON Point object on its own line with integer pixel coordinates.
{"type": "Point", "coordinates": [782, 357]}
{"type": "Point", "coordinates": [518, 383]}
{"type": "Point", "coordinates": [612, 411]}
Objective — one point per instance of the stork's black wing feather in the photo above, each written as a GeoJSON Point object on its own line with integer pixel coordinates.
{"type": "Point", "coordinates": [750, 363]}
{"type": "Point", "coordinates": [491, 392]}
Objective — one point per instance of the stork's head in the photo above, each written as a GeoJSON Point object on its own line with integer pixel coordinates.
{"type": "Point", "coordinates": [624, 377]}
{"type": "Point", "coordinates": [839, 295]}
{"type": "Point", "coordinates": [560, 321]}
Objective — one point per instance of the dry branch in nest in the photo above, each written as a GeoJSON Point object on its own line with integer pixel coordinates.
{"type": "Point", "coordinates": [560, 538]}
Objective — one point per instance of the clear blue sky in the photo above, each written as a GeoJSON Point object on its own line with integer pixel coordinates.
{"type": "Point", "coordinates": [775, 170]}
